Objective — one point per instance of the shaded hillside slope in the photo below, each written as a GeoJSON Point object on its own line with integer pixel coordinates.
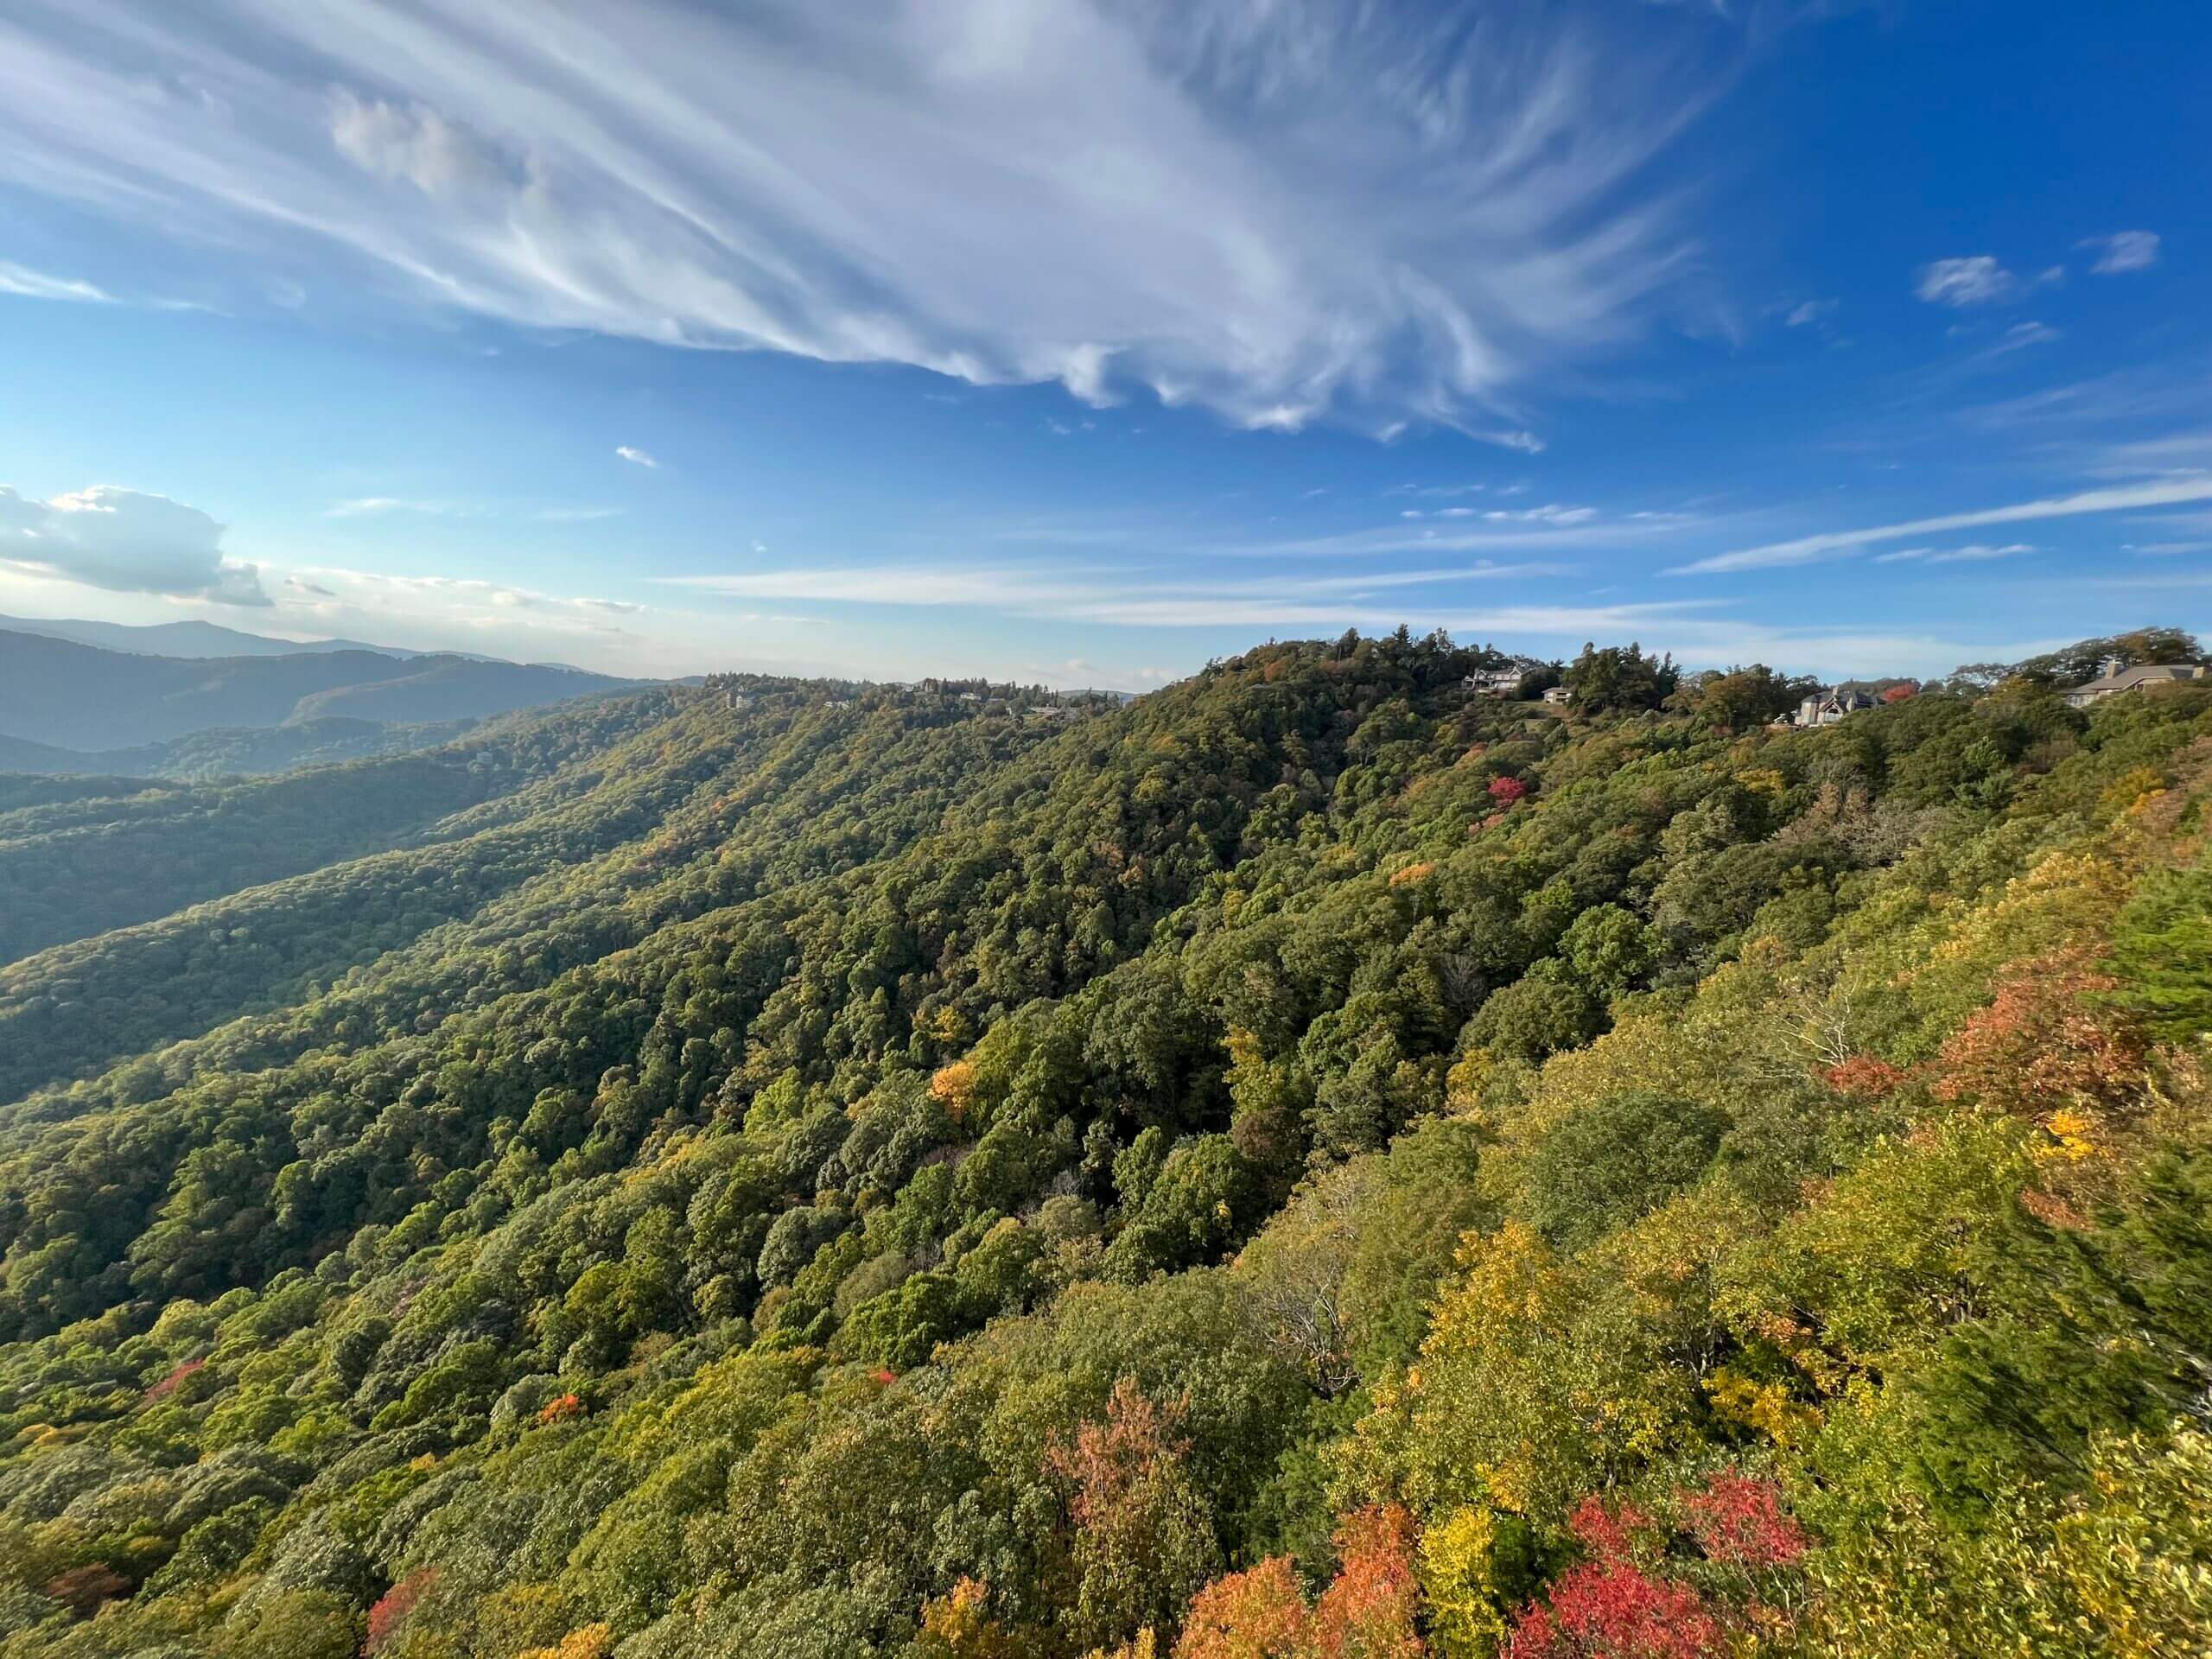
{"type": "Point", "coordinates": [92, 859]}
{"type": "Point", "coordinates": [235, 750]}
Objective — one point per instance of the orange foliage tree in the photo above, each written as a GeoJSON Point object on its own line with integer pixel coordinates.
{"type": "Point", "coordinates": [2047, 1049]}
{"type": "Point", "coordinates": [1370, 1610]}
{"type": "Point", "coordinates": [1144, 1539]}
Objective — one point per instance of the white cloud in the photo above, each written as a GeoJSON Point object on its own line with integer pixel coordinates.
{"type": "Point", "coordinates": [1135, 598]}
{"type": "Point", "coordinates": [376, 506]}
{"type": "Point", "coordinates": [28, 284]}
{"type": "Point", "coordinates": [636, 457]}
{"type": "Point", "coordinates": [413, 144]}
{"type": "Point", "coordinates": [2019, 336]}
{"type": "Point", "coordinates": [455, 605]}
{"type": "Point", "coordinates": [1282, 212]}
{"type": "Point", "coordinates": [2123, 252]}
{"type": "Point", "coordinates": [1979, 280]}
{"type": "Point", "coordinates": [1526, 443]}
{"type": "Point", "coordinates": [1973, 553]}
{"type": "Point", "coordinates": [1807, 550]}
{"type": "Point", "coordinates": [1810, 312]}
{"type": "Point", "coordinates": [125, 542]}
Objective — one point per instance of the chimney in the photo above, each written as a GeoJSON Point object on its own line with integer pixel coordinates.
{"type": "Point", "coordinates": [2110, 666]}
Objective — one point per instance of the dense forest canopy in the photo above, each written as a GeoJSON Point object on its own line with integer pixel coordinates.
{"type": "Point", "coordinates": [1315, 1161]}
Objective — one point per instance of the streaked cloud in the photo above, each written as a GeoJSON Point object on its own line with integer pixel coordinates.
{"type": "Point", "coordinates": [1807, 550]}
{"type": "Point", "coordinates": [26, 283]}
{"type": "Point", "coordinates": [378, 506]}
{"type": "Point", "coordinates": [1139, 598]}
{"type": "Point", "coordinates": [2123, 252]}
{"type": "Point", "coordinates": [1976, 280]}
{"type": "Point", "coordinates": [635, 456]}
{"type": "Point", "coordinates": [1279, 211]}
{"type": "Point", "coordinates": [1973, 553]}
{"type": "Point", "coordinates": [2019, 337]}
{"type": "Point", "coordinates": [1979, 280]}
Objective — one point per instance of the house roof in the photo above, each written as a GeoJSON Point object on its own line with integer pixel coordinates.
{"type": "Point", "coordinates": [2129, 678]}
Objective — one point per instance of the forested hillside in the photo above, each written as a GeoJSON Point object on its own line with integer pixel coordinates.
{"type": "Point", "coordinates": [81, 860]}
{"type": "Point", "coordinates": [228, 752]}
{"type": "Point", "coordinates": [1313, 1163]}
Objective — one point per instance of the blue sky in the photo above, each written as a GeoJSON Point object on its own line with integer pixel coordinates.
{"type": "Point", "coordinates": [1084, 341]}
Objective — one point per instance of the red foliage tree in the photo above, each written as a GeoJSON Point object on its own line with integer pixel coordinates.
{"type": "Point", "coordinates": [169, 1384]}
{"type": "Point", "coordinates": [1506, 790]}
{"type": "Point", "coordinates": [1619, 1612]}
{"type": "Point", "coordinates": [1740, 1522]}
{"type": "Point", "coordinates": [82, 1589]}
{"type": "Point", "coordinates": [1610, 1606]}
{"type": "Point", "coordinates": [560, 1410]}
{"type": "Point", "coordinates": [1899, 692]}
{"type": "Point", "coordinates": [396, 1604]}
{"type": "Point", "coordinates": [1863, 1077]}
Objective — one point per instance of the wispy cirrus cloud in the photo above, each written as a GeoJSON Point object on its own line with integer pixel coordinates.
{"type": "Point", "coordinates": [378, 506]}
{"type": "Point", "coordinates": [1140, 598]}
{"type": "Point", "coordinates": [25, 283]}
{"type": "Point", "coordinates": [1973, 553]}
{"type": "Point", "coordinates": [1807, 550]}
{"type": "Point", "coordinates": [1277, 212]}
{"type": "Point", "coordinates": [1978, 279]}
{"type": "Point", "coordinates": [1975, 280]}
{"type": "Point", "coordinates": [2018, 338]}
{"type": "Point", "coordinates": [637, 457]}
{"type": "Point", "coordinates": [2123, 252]}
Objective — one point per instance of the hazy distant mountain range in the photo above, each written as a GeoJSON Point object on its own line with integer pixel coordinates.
{"type": "Point", "coordinates": [104, 687]}
{"type": "Point", "coordinates": [194, 639]}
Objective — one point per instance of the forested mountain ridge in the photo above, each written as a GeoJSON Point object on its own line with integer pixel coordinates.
{"type": "Point", "coordinates": [69, 696]}
{"type": "Point", "coordinates": [84, 859]}
{"type": "Point", "coordinates": [1310, 1163]}
{"type": "Point", "coordinates": [229, 752]}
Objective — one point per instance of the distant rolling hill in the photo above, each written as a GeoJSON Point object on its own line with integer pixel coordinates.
{"type": "Point", "coordinates": [70, 695]}
{"type": "Point", "coordinates": [191, 638]}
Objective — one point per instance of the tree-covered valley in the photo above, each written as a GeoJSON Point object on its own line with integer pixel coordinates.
{"type": "Point", "coordinates": [1314, 1162]}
